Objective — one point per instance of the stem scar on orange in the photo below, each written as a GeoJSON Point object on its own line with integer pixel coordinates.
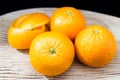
{"type": "Point", "coordinates": [25, 28]}
{"type": "Point", "coordinates": [68, 20]}
{"type": "Point", "coordinates": [51, 53]}
{"type": "Point", "coordinates": [95, 46]}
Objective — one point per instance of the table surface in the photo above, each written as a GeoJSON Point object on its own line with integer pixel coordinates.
{"type": "Point", "coordinates": [15, 65]}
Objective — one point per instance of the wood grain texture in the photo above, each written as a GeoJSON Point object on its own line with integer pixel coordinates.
{"type": "Point", "coordinates": [15, 65]}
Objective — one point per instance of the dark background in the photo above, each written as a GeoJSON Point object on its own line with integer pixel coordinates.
{"type": "Point", "coordinates": [110, 7]}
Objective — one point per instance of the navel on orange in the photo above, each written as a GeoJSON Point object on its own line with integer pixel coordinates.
{"type": "Point", "coordinates": [23, 30]}
{"type": "Point", "coordinates": [95, 46]}
{"type": "Point", "coordinates": [67, 20]}
{"type": "Point", "coordinates": [51, 53]}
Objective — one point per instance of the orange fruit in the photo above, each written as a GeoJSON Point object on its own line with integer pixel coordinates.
{"type": "Point", "coordinates": [23, 30]}
{"type": "Point", "coordinates": [67, 20]}
{"type": "Point", "coordinates": [95, 46]}
{"type": "Point", "coordinates": [51, 53]}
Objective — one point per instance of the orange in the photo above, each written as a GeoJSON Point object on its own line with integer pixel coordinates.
{"type": "Point", "coordinates": [23, 30]}
{"type": "Point", "coordinates": [51, 53]}
{"type": "Point", "coordinates": [95, 46]}
{"type": "Point", "coordinates": [67, 20]}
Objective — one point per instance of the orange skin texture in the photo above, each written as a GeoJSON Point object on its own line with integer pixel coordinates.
{"type": "Point", "coordinates": [95, 46]}
{"type": "Point", "coordinates": [67, 20]}
{"type": "Point", "coordinates": [25, 28]}
{"type": "Point", "coordinates": [47, 63]}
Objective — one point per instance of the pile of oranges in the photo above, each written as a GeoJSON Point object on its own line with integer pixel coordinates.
{"type": "Point", "coordinates": [54, 41]}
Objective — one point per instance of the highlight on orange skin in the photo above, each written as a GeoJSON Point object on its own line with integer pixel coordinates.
{"type": "Point", "coordinates": [25, 28]}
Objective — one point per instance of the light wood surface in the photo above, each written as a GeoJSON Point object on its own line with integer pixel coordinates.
{"type": "Point", "coordinates": [15, 65]}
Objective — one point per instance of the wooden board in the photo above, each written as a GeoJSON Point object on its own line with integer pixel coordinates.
{"type": "Point", "coordinates": [15, 65]}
